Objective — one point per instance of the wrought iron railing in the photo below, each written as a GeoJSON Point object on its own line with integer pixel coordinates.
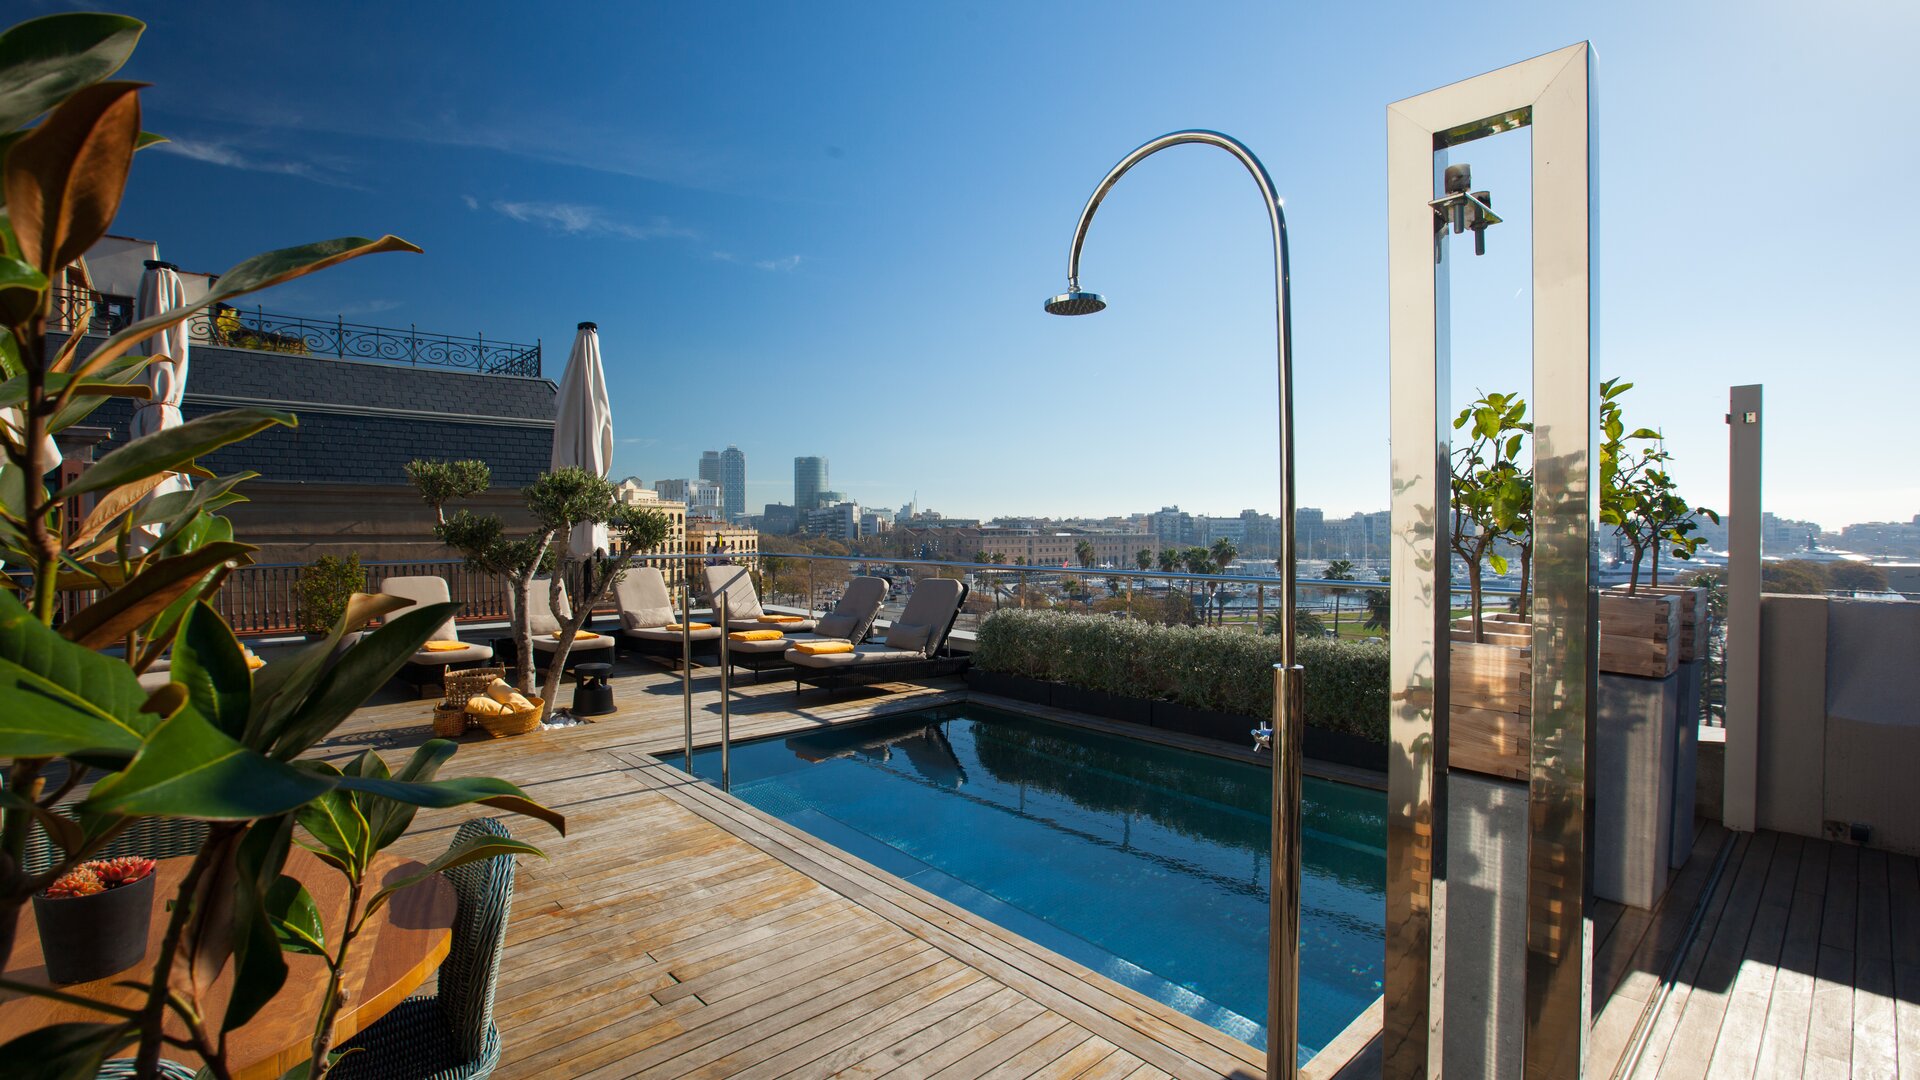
{"type": "Point", "coordinates": [268, 331]}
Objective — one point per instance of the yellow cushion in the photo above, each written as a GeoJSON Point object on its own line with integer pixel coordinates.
{"type": "Point", "coordinates": [578, 635]}
{"type": "Point", "coordinates": [444, 646]}
{"type": "Point", "coordinates": [778, 618]}
{"type": "Point", "coordinates": [482, 705]}
{"type": "Point", "coordinates": [820, 648]}
{"type": "Point", "coordinates": [690, 626]}
{"type": "Point", "coordinates": [756, 635]}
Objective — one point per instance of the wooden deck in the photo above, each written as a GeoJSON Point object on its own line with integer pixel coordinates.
{"type": "Point", "coordinates": [678, 932]}
{"type": "Point", "coordinates": [1805, 963]}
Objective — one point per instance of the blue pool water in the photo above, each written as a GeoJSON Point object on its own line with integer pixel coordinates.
{"type": "Point", "coordinates": [1145, 863]}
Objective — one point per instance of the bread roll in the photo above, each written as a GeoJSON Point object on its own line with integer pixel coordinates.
{"type": "Point", "coordinates": [481, 705]}
{"type": "Point", "coordinates": [502, 691]}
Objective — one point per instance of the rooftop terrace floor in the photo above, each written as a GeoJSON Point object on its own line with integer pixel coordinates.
{"type": "Point", "coordinates": [676, 931]}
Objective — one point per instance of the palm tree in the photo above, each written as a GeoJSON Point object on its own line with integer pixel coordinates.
{"type": "Point", "coordinates": [1198, 561]}
{"type": "Point", "coordinates": [1223, 552]}
{"type": "Point", "coordinates": [1169, 558]}
{"type": "Point", "coordinates": [1339, 570]}
{"type": "Point", "coordinates": [1379, 609]}
{"type": "Point", "coordinates": [1083, 552]}
{"type": "Point", "coordinates": [1143, 558]}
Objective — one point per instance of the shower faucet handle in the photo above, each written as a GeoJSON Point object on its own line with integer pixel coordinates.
{"type": "Point", "coordinates": [1262, 737]}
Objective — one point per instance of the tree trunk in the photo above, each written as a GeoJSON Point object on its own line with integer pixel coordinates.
{"type": "Point", "coordinates": [1473, 596]}
{"type": "Point", "coordinates": [1526, 578]}
{"type": "Point", "coordinates": [522, 636]}
{"type": "Point", "coordinates": [1633, 582]}
{"type": "Point", "coordinates": [594, 591]}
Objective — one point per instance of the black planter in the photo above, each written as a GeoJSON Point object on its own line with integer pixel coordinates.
{"type": "Point", "coordinates": [1019, 688]}
{"type": "Point", "coordinates": [1344, 748]}
{"type": "Point", "coordinates": [84, 938]}
{"type": "Point", "coordinates": [1205, 723]}
{"type": "Point", "coordinates": [1099, 703]}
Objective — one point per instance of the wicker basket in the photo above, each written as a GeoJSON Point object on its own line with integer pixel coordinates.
{"type": "Point", "coordinates": [450, 719]}
{"type": "Point", "coordinates": [513, 723]}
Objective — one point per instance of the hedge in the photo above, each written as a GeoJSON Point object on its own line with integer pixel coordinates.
{"type": "Point", "coordinates": [1202, 667]}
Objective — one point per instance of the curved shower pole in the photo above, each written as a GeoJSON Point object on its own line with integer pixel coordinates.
{"type": "Point", "coordinates": [1289, 714]}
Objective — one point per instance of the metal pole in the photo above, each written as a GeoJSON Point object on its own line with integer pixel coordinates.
{"type": "Point", "coordinates": [1284, 885]}
{"type": "Point", "coordinates": [1283, 908]}
{"type": "Point", "coordinates": [686, 665]}
{"type": "Point", "coordinates": [726, 719]}
{"type": "Point", "coordinates": [810, 592]}
{"type": "Point", "coordinates": [1742, 658]}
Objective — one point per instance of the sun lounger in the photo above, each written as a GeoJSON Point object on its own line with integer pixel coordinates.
{"type": "Point", "coordinates": [544, 623]}
{"type": "Point", "coordinates": [430, 665]}
{"type": "Point", "coordinates": [850, 620]}
{"type": "Point", "coordinates": [743, 602]}
{"type": "Point", "coordinates": [911, 648]}
{"type": "Point", "coordinates": [647, 612]}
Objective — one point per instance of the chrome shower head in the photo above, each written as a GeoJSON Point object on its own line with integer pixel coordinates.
{"type": "Point", "coordinates": [1076, 303]}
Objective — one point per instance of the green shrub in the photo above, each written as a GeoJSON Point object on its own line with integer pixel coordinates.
{"type": "Point", "coordinates": [326, 585]}
{"type": "Point", "coordinates": [1201, 667]}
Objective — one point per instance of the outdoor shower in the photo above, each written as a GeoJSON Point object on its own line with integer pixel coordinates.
{"type": "Point", "coordinates": [1284, 737]}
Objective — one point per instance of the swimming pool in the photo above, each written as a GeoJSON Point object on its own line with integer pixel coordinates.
{"type": "Point", "coordinates": [1145, 863]}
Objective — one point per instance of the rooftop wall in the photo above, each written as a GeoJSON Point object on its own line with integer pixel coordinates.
{"type": "Point", "coordinates": [361, 422]}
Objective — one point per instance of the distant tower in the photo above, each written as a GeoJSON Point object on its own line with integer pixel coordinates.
{"type": "Point", "coordinates": [733, 482]}
{"type": "Point", "coordinates": [809, 480]}
{"type": "Point", "coordinates": [710, 466]}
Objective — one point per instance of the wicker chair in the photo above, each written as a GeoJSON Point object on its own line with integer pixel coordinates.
{"type": "Point", "coordinates": [451, 1035]}
{"type": "Point", "coordinates": [155, 838]}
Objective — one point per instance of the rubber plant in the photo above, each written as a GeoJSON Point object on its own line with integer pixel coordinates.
{"type": "Point", "coordinates": [219, 743]}
{"type": "Point", "coordinates": [557, 501]}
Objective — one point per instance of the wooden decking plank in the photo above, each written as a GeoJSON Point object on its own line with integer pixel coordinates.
{"type": "Point", "coordinates": [758, 1046]}
{"type": "Point", "coordinates": [1903, 890]}
{"type": "Point", "coordinates": [1737, 1044]}
{"type": "Point", "coordinates": [1830, 1029]}
{"type": "Point", "coordinates": [1078, 1061]}
{"type": "Point", "coordinates": [964, 1042]}
{"type": "Point", "coordinates": [1112, 1067]}
{"type": "Point", "coordinates": [1661, 1037]}
{"type": "Point", "coordinates": [1875, 1037]}
{"type": "Point", "coordinates": [883, 1060]}
{"type": "Point", "coordinates": [1042, 1057]}
{"type": "Point", "coordinates": [826, 1052]}
{"type": "Point", "coordinates": [1783, 1039]}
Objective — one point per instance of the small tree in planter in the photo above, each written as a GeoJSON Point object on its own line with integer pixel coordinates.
{"type": "Point", "coordinates": [1637, 493]}
{"type": "Point", "coordinates": [1492, 494]}
{"type": "Point", "coordinates": [558, 501]}
{"type": "Point", "coordinates": [326, 586]}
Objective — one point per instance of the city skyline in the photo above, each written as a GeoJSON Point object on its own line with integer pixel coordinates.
{"type": "Point", "coordinates": [875, 247]}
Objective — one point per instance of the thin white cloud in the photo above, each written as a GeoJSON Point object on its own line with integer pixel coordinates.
{"type": "Point", "coordinates": [575, 219]}
{"type": "Point", "coordinates": [638, 441]}
{"type": "Point", "coordinates": [472, 203]}
{"type": "Point", "coordinates": [781, 265]}
{"type": "Point", "coordinates": [213, 152]}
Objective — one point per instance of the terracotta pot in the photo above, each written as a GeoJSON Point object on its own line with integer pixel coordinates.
{"type": "Point", "coordinates": [91, 937]}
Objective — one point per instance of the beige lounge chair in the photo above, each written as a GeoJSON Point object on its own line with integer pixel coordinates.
{"type": "Point", "coordinates": [743, 601]}
{"type": "Point", "coordinates": [646, 610]}
{"type": "Point", "coordinates": [432, 664]}
{"type": "Point", "coordinates": [544, 624]}
{"type": "Point", "coordinates": [850, 620]}
{"type": "Point", "coordinates": [908, 651]}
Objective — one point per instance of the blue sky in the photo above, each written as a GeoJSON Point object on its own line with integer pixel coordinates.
{"type": "Point", "coordinates": [827, 229]}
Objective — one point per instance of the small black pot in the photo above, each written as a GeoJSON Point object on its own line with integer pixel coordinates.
{"type": "Point", "coordinates": [84, 938]}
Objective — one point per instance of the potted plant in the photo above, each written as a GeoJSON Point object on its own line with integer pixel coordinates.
{"type": "Point", "coordinates": [93, 920]}
{"type": "Point", "coordinates": [1491, 666]}
{"type": "Point", "coordinates": [326, 585]}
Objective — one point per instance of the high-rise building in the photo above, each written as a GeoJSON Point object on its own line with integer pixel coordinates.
{"type": "Point", "coordinates": [710, 466]}
{"type": "Point", "coordinates": [733, 482]}
{"type": "Point", "coordinates": [809, 480]}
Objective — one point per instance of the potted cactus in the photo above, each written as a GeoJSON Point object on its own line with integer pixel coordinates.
{"type": "Point", "coordinates": [93, 920]}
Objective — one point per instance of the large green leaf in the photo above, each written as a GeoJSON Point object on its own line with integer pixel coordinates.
{"type": "Point", "coordinates": [57, 697]}
{"type": "Point", "coordinates": [108, 619]}
{"type": "Point", "coordinates": [44, 60]}
{"type": "Point", "coordinates": [283, 686]}
{"type": "Point", "coordinates": [128, 372]}
{"type": "Point", "coordinates": [209, 662]}
{"type": "Point", "coordinates": [190, 769]}
{"type": "Point", "coordinates": [296, 918]}
{"type": "Point", "coordinates": [462, 851]}
{"type": "Point", "coordinates": [259, 969]}
{"type": "Point", "coordinates": [174, 505]}
{"type": "Point", "coordinates": [339, 830]}
{"type": "Point", "coordinates": [173, 447]}
{"type": "Point", "coordinates": [64, 179]}
{"type": "Point", "coordinates": [68, 1051]}
{"type": "Point", "coordinates": [442, 794]}
{"type": "Point", "coordinates": [251, 275]}
{"type": "Point", "coordinates": [390, 820]}
{"type": "Point", "coordinates": [360, 671]}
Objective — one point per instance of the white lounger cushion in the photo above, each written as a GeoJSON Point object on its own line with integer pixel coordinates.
{"type": "Point", "coordinates": [548, 643]}
{"type": "Point", "coordinates": [743, 600]}
{"type": "Point", "coordinates": [642, 596]}
{"type": "Point", "coordinates": [861, 654]}
{"type": "Point", "coordinates": [661, 633]}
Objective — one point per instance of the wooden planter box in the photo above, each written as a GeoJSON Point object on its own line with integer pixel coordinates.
{"type": "Point", "coordinates": [1490, 715]}
{"type": "Point", "coordinates": [1639, 635]}
{"type": "Point", "coordinates": [1696, 624]}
